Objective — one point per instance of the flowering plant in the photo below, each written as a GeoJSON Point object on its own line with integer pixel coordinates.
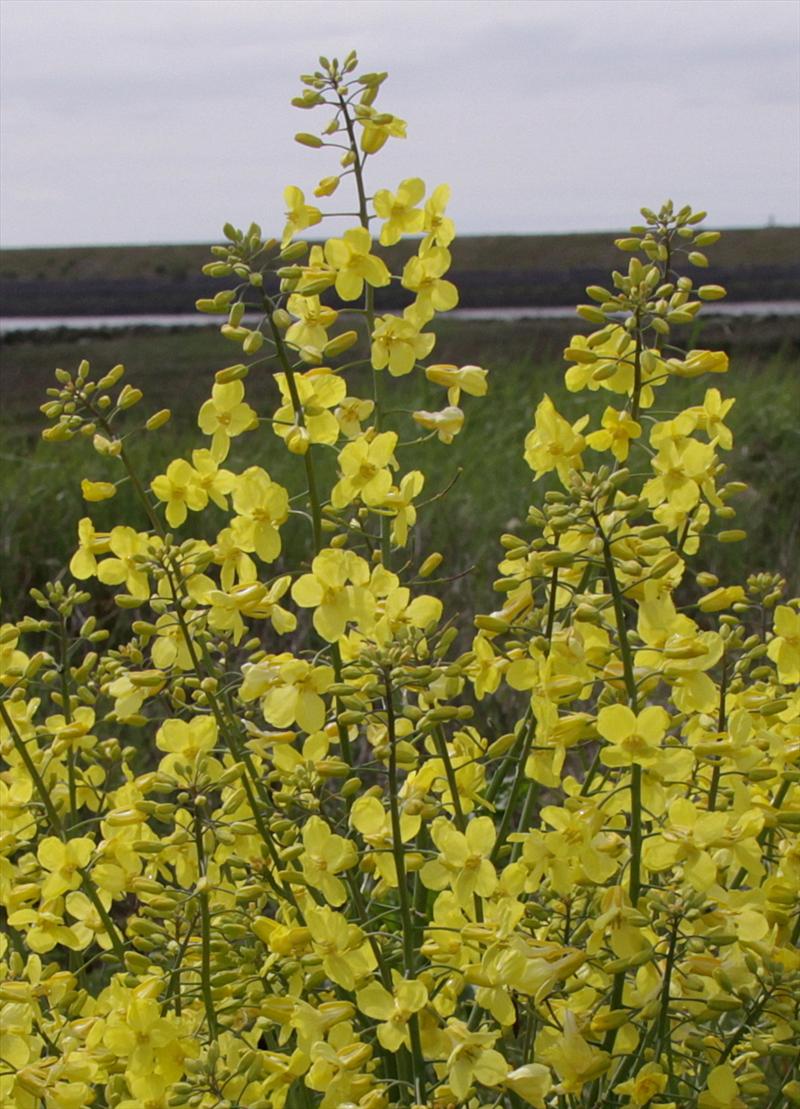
{"type": "Point", "coordinates": [264, 846]}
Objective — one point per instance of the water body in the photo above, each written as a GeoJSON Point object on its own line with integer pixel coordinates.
{"type": "Point", "coordinates": [752, 308]}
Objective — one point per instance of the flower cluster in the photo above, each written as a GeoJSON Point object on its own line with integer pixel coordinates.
{"type": "Point", "coordinates": [263, 843]}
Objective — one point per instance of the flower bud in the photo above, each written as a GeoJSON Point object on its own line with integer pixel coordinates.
{"type": "Point", "coordinates": [339, 344]}
{"type": "Point", "coordinates": [231, 373]}
{"type": "Point", "coordinates": [431, 563]}
{"type": "Point", "coordinates": [112, 377]}
{"type": "Point", "coordinates": [158, 419]}
{"type": "Point", "coordinates": [590, 313]}
{"type": "Point", "coordinates": [129, 397]}
{"type": "Point", "coordinates": [97, 490]}
{"type": "Point", "coordinates": [306, 139]}
{"type": "Point", "coordinates": [327, 186]}
{"type": "Point", "coordinates": [297, 440]}
{"type": "Point", "coordinates": [253, 343]}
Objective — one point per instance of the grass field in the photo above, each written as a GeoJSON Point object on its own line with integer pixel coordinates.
{"type": "Point", "coordinates": [39, 482]}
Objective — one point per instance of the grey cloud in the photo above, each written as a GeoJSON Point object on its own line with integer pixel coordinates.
{"type": "Point", "coordinates": [160, 120]}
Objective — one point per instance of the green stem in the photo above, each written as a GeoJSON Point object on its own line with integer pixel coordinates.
{"type": "Point", "coordinates": [721, 726]}
{"type": "Point", "coordinates": [634, 885]}
{"type": "Point", "coordinates": [637, 371]}
{"type": "Point", "coordinates": [519, 780]}
{"type": "Point", "coordinates": [664, 1040]}
{"type": "Point", "coordinates": [205, 933]}
{"type": "Point", "coordinates": [750, 1015]}
{"type": "Point", "coordinates": [510, 757]}
{"type": "Point", "coordinates": [551, 608]}
{"type": "Point", "coordinates": [299, 415]}
{"type": "Point", "coordinates": [407, 923]}
{"type": "Point", "coordinates": [441, 749]}
{"type": "Point", "coordinates": [66, 705]}
{"type": "Point", "coordinates": [369, 300]}
{"type": "Point", "coordinates": [23, 752]}
{"type": "Point", "coordinates": [529, 804]}
{"type": "Point", "coordinates": [111, 930]}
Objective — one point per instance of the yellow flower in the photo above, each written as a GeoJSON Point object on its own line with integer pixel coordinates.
{"type": "Point", "coordinates": [472, 1059]}
{"type": "Point", "coordinates": [179, 489]}
{"type": "Point", "coordinates": [225, 415]}
{"type": "Point", "coordinates": [290, 689]}
{"type": "Point", "coordinates": [185, 741]}
{"type": "Point", "coordinates": [686, 838]}
{"type": "Point", "coordinates": [634, 739]}
{"type": "Point", "coordinates": [423, 274]}
{"type": "Point", "coordinates": [73, 734]}
{"type": "Point", "coordinates": [470, 379]}
{"type": "Point", "coordinates": [531, 1082]}
{"type": "Point", "coordinates": [463, 862]}
{"type": "Point", "coordinates": [784, 649]}
{"type": "Point", "coordinates": [262, 506]}
{"type": "Point", "coordinates": [127, 546]}
{"type": "Point", "coordinates": [254, 600]}
{"type": "Point", "coordinates": [45, 928]}
{"type": "Point", "coordinates": [722, 1090]}
{"type": "Point", "coordinates": [401, 501]}
{"type": "Point", "coordinates": [710, 418]}
{"type": "Point", "coordinates": [446, 423]}
{"type": "Point", "coordinates": [398, 343]}
{"type": "Point", "coordinates": [89, 926]}
{"type": "Point", "coordinates": [399, 211]}
{"type": "Point", "coordinates": [316, 271]}
{"type": "Point", "coordinates": [335, 590]}
{"type": "Point", "coordinates": [143, 1038]}
{"type": "Point", "coordinates": [347, 957]}
{"type": "Point", "coordinates": [350, 257]}
{"type": "Point", "coordinates": [680, 471]}
{"type": "Point", "coordinates": [364, 472]}
{"type": "Point", "coordinates": [208, 476]}
{"type": "Point", "coordinates": [16, 817]}
{"type": "Point", "coordinates": [394, 1010]}
{"type": "Point", "coordinates": [91, 543]}
{"type": "Point", "coordinates": [97, 490]}
{"type": "Point", "coordinates": [644, 1086]}
{"type": "Point", "coordinates": [439, 229]}
{"type": "Point", "coordinates": [618, 430]}
{"type": "Point", "coordinates": [236, 564]}
{"type": "Point", "coordinates": [325, 855]}
{"type": "Point", "coordinates": [377, 128]}
{"type": "Point", "coordinates": [373, 822]}
{"type": "Point", "coordinates": [698, 362]}
{"type": "Point", "coordinates": [313, 319]}
{"type": "Point", "coordinates": [319, 390]}
{"type": "Point", "coordinates": [351, 412]}
{"type": "Point", "coordinates": [63, 860]}
{"type": "Point", "coordinates": [169, 647]}
{"type": "Point", "coordinates": [576, 1061]}
{"type": "Point", "coordinates": [554, 444]}
{"type": "Point", "coordinates": [487, 668]}
{"type": "Point", "coordinates": [299, 215]}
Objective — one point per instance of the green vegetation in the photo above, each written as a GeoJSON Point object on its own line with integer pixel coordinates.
{"type": "Point", "coordinates": [175, 369]}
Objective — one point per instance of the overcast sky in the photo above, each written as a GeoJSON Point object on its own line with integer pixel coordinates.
{"type": "Point", "coordinates": [158, 120]}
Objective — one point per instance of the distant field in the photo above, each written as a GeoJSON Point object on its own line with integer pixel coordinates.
{"type": "Point", "coordinates": [39, 482]}
{"type": "Point", "coordinates": [491, 271]}
{"type": "Point", "coordinates": [769, 246]}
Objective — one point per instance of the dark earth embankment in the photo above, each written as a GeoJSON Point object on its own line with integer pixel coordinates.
{"type": "Point", "coordinates": [491, 271]}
